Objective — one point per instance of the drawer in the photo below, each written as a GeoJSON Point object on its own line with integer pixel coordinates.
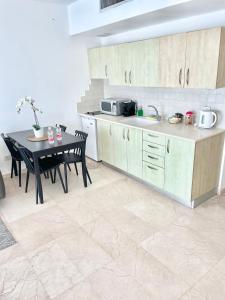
{"type": "Point", "coordinates": [153, 137]}
{"type": "Point", "coordinates": [154, 159]}
{"type": "Point", "coordinates": [154, 175]}
{"type": "Point", "coordinates": [154, 148]}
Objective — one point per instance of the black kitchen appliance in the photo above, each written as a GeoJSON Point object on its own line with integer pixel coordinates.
{"type": "Point", "coordinates": [129, 108]}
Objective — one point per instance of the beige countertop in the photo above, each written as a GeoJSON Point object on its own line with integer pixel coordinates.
{"type": "Point", "coordinates": [179, 130]}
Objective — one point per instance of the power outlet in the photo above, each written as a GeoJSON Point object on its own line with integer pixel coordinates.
{"type": "Point", "coordinates": [7, 158]}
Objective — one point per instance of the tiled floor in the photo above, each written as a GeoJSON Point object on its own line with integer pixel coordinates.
{"type": "Point", "coordinates": [115, 240]}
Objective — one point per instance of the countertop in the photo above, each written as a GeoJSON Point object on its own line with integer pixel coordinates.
{"type": "Point", "coordinates": [187, 132]}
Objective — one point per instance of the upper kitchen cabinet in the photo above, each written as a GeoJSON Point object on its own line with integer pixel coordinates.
{"type": "Point", "coordinates": [205, 59]}
{"type": "Point", "coordinates": [146, 71]}
{"type": "Point", "coordinates": [101, 62]}
{"type": "Point", "coordinates": [172, 60]}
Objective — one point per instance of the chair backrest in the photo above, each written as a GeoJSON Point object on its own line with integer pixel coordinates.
{"type": "Point", "coordinates": [84, 136]}
{"type": "Point", "coordinates": [27, 159]}
{"type": "Point", "coordinates": [11, 146]}
{"type": "Point", "coordinates": [63, 128]}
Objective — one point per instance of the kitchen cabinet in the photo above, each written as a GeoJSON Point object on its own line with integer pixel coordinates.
{"type": "Point", "coordinates": [177, 166]}
{"type": "Point", "coordinates": [188, 60]}
{"type": "Point", "coordinates": [179, 161]}
{"type": "Point", "coordinates": [101, 62]}
{"type": "Point", "coordinates": [119, 147]}
{"type": "Point", "coordinates": [202, 56]}
{"type": "Point", "coordinates": [172, 60]}
{"type": "Point", "coordinates": [105, 141]}
{"type": "Point", "coordinates": [134, 151]}
{"type": "Point", "coordinates": [146, 71]}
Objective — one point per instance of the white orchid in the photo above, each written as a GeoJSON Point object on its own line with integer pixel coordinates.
{"type": "Point", "coordinates": [30, 101]}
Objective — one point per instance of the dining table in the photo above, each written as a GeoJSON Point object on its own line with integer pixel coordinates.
{"type": "Point", "coordinates": [40, 149]}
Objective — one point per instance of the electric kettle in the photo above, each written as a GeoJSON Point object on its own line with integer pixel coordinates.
{"type": "Point", "coordinates": [208, 118]}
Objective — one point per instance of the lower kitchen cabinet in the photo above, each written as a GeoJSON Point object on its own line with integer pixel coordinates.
{"type": "Point", "coordinates": [153, 174]}
{"type": "Point", "coordinates": [187, 170]}
{"type": "Point", "coordinates": [119, 147]}
{"type": "Point", "coordinates": [179, 162]}
{"type": "Point", "coordinates": [105, 141]}
{"type": "Point", "coordinates": [134, 152]}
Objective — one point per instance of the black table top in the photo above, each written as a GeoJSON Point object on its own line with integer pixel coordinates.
{"type": "Point", "coordinates": [69, 141]}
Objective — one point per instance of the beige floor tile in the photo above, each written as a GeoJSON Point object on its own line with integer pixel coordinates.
{"type": "Point", "coordinates": [79, 210]}
{"type": "Point", "coordinates": [156, 210]}
{"type": "Point", "coordinates": [211, 286]}
{"type": "Point", "coordinates": [113, 241]}
{"type": "Point", "coordinates": [183, 251]}
{"type": "Point", "coordinates": [56, 272]}
{"type": "Point", "coordinates": [156, 278]}
{"type": "Point", "coordinates": [19, 281]}
{"type": "Point", "coordinates": [82, 291]}
{"type": "Point", "coordinates": [112, 283]}
{"type": "Point", "coordinates": [84, 253]}
{"type": "Point", "coordinates": [206, 227]}
{"type": "Point", "coordinates": [125, 221]}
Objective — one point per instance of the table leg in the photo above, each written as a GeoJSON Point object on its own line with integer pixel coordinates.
{"type": "Point", "coordinates": [38, 178]}
{"type": "Point", "coordinates": [84, 172]}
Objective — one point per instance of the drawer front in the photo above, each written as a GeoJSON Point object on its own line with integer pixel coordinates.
{"type": "Point", "coordinates": [154, 148]}
{"type": "Point", "coordinates": [154, 159]}
{"type": "Point", "coordinates": [154, 137]}
{"type": "Point", "coordinates": [154, 175]}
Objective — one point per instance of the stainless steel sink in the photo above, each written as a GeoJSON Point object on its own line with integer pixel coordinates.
{"type": "Point", "coordinates": [139, 121]}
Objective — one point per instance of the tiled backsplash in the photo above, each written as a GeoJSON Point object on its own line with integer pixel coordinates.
{"type": "Point", "coordinates": [169, 101]}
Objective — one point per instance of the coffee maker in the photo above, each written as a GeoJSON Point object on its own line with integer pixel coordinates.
{"type": "Point", "coordinates": [129, 108]}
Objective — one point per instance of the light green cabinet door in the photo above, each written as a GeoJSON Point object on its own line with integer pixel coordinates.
{"type": "Point", "coordinates": [179, 162]}
{"type": "Point", "coordinates": [119, 147]}
{"type": "Point", "coordinates": [134, 151]}
{"type": "Point", "coordinates": [94, 59]}
{"type": "Point", "coordinates": [105, 141]}
{"type": "Point", "coordinates": [146, 63]}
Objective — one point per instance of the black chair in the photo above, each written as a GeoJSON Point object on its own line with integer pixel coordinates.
{"type": "Point", "coordinates": [63, 127]}
{"type": "Point", "coordinates": [15, 155]}
{"type": "Point", "coordinates": [45, 164]}
{"type": "Point", "coordinates": [75, 157]}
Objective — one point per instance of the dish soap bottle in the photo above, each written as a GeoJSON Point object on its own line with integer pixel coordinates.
{"type": "Point", "coordinates": [140, 111]}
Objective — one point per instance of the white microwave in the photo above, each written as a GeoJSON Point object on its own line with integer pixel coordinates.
{"type": "Point", "coordinates": [112, 106]}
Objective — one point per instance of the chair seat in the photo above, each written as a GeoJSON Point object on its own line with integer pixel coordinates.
{"type": "Point", "coordinates": [48, 163]}
{"type": "Point", "coordinates": [69, 158]}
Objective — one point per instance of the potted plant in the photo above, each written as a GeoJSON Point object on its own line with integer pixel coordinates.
{"type": "Point", "coordinates": [38, 130]}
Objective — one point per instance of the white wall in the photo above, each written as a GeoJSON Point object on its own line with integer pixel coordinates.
{"type": "Point", "coordinates": [39, 59]}
{"type": "Point", "coordinates": [85, 15]}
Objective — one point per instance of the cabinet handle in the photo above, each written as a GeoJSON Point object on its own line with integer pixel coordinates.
{"type": "Point", "coordinates": [125, 74]}
{"type": "Point", "coordinates": [153, 147]}
{"type": "Point", "coordinates": [130, 77]}
{"type": "Point", "coordinates": [168, 146]}
{"type": "Point", "coordinates": [152, 135]}
{"type": "Point", "coordinates": [124, 133]}
{"type": "Point", "coordinates": [106, 71]}
{"type": "Point", "coordinates": [110, 130]}
{"type": "Point", "coordinates": [188, 76]}
{"type": "Point", "coordinates": [152, 168]}
{"type": "Point", "coordinates": [152, 157]}
{"type": "Point", "coordinates": [180, 76]}
{"type": "Point", "coordinates": [128, 135]}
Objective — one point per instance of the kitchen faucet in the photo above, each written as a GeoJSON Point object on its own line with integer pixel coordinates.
{"type": "Point", "coordinates": [158, 117]}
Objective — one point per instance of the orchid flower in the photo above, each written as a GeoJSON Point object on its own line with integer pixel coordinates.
{"type": "Point", "coordinates": [30, 101]}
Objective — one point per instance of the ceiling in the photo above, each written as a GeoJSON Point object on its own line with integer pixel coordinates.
{"type": "Point", "coordinates": [65, 2]}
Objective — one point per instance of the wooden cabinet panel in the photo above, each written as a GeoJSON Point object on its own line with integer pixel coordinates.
{"type": "Point", "coordinates": [153, 174]}
{"type": "Point", "coordinates": [202, 57]}
{"type": "Point", "coordinates": [134, 152]}
{"type": "Point", "coordinates": [105, 141]}
{"type": "Point", "coordinates": [146, 63]}
{"type": "Point", "coordinates": [119, 147]}
{"type": "Point", "coordinates": [172, 60]}
{"type": "Point", "coordinates": [179, 161]}
{"type": "Point", "coordinates": [154, 137]}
